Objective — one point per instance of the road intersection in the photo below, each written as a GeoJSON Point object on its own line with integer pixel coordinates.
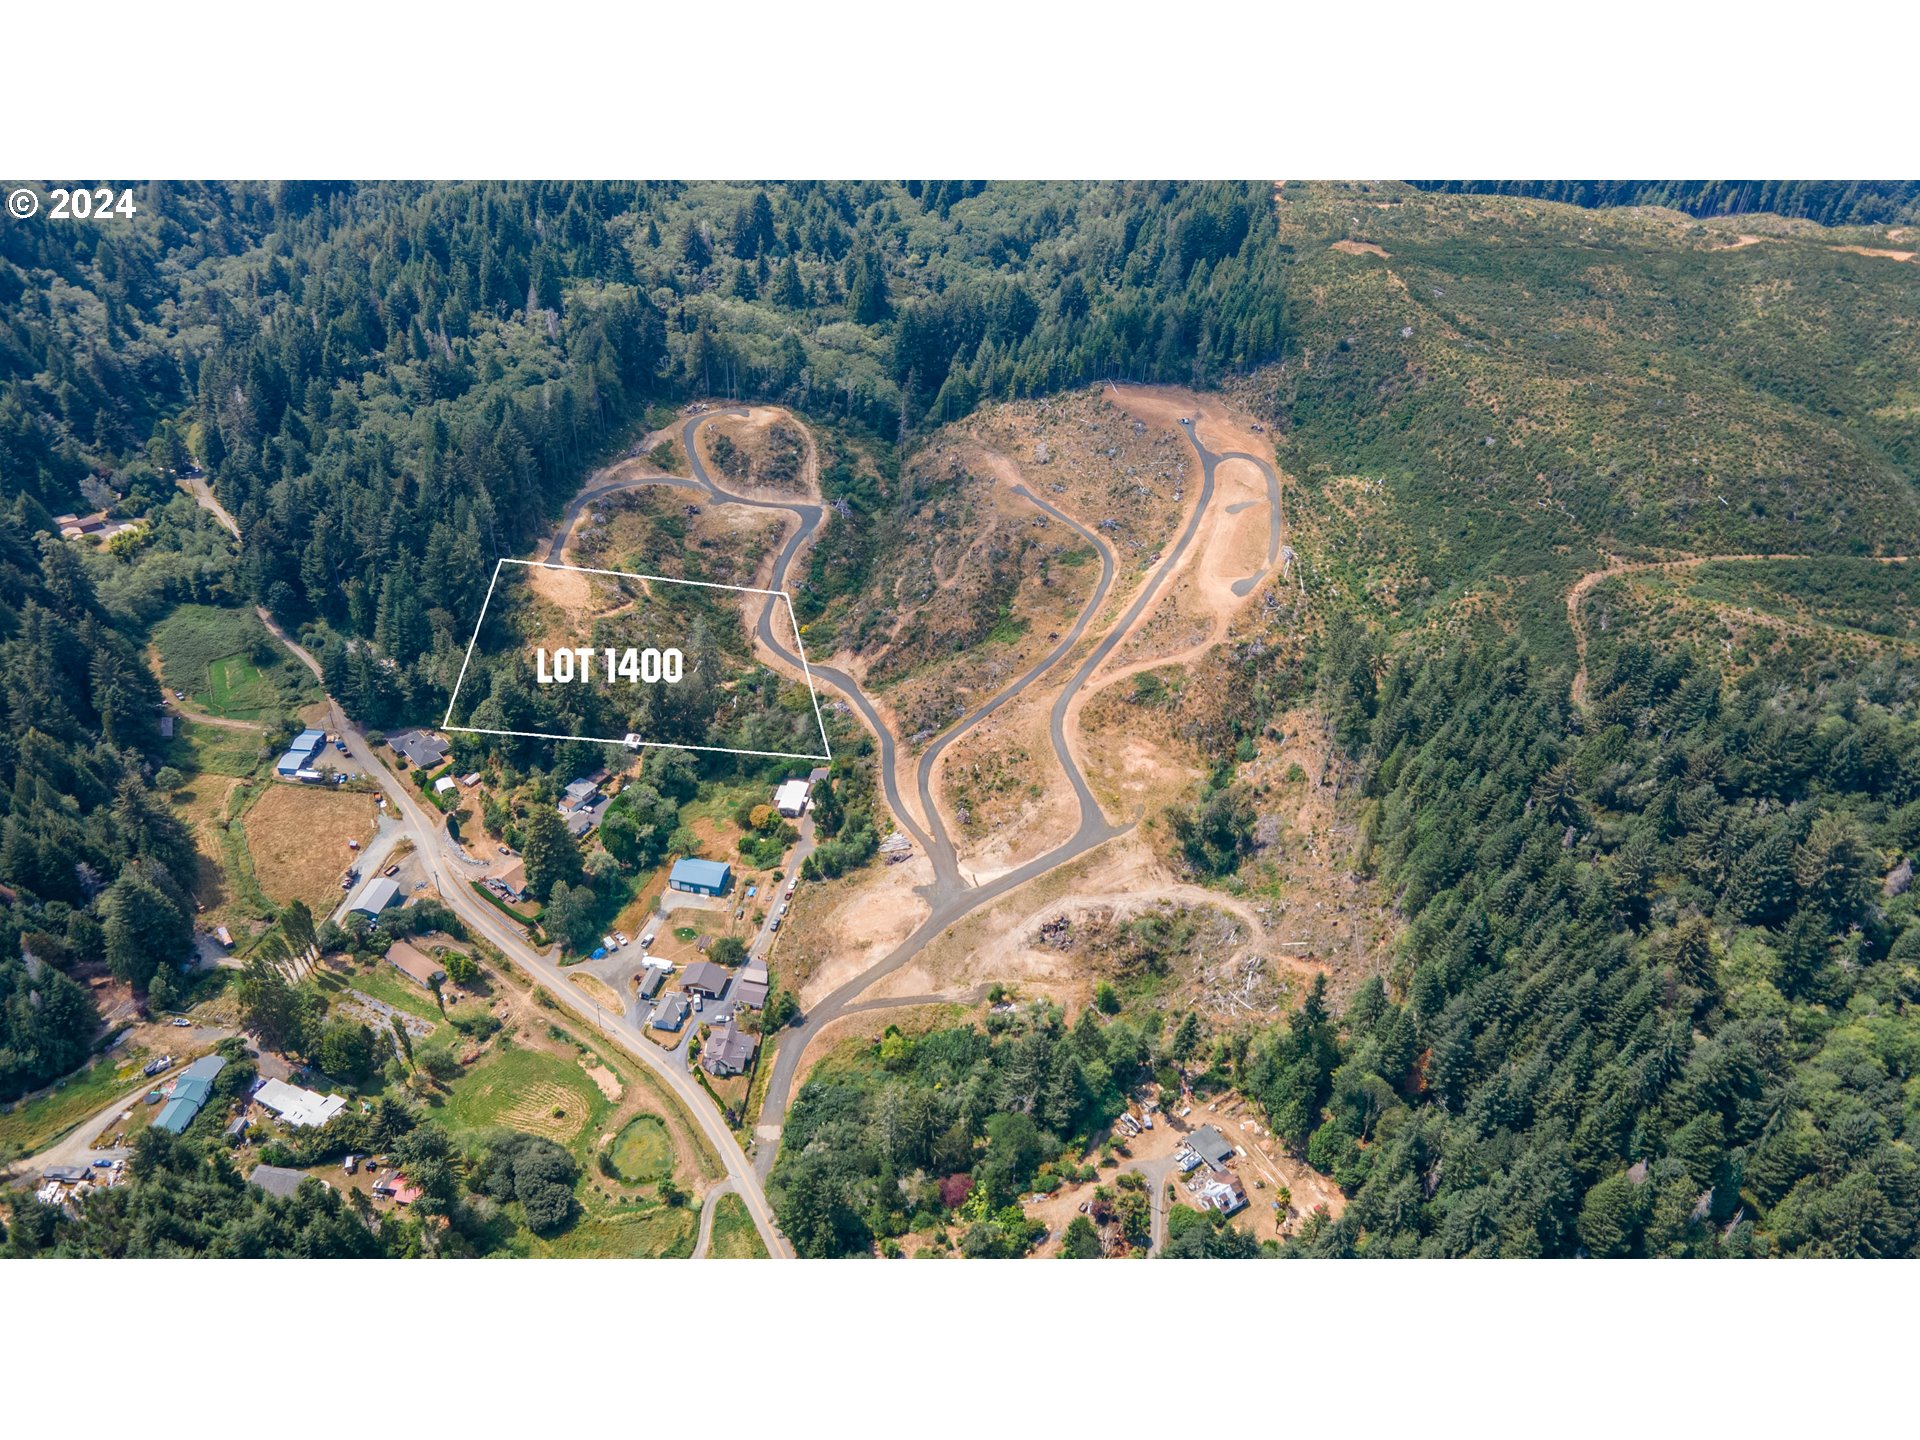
{"type": "Point", "coordinates": [950, 895]}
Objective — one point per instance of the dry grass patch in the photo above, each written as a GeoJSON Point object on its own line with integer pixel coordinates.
{"type": "Point", "coordinates": [297, 835]}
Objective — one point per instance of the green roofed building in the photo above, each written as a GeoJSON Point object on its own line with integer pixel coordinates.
{"type": "Point", "coordinates": [190, 1091]}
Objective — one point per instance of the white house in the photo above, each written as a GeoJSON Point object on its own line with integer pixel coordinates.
{"type": "Point", "coordinates": [791, 798]}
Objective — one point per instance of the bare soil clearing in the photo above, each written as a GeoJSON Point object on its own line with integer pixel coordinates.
{"type": "Point", "coordinates": [857, 925]}
{"type": "Point", "coordinates": [773, 456]}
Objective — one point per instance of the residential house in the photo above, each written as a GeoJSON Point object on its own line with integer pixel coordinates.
{"type": "Point", "coordinates": [580, 795]}
{"type": "Point", "coordinates": [416, 964]}
{"type": "Point", "coordinates": [727, 1050]}
{"type": "Point", "coordinates": [704, 977]}
{"type": "Point", "coordinates": [191, 1089]}
{"type": "Point", "coordinates": [751, 988]}
{"type": "Point", "coordinates": [671, 1013]}
{"type": "Point", "coordinates": [791, 799]}
{"type": "Point", "coordinates": [298, 1107]}
{"type": "Point", "coordinates": [397, 1188]}
{"type": "Point", "coordinates": [419, 747]}
{"type": "Point", "coordinates": [1221, 1192]}
{"type": "Point", "coordinates": [513, 879]}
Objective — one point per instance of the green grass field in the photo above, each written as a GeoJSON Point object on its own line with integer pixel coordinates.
{"type": "Point", "coordinates": [647, 1231]}
{"type": "Point", "coordinates": [228, 664]}
{"type": "Point", "coordinates": [734, 1237]}
{"type": "Point", "coordinates": [520, 1089]}
{"type": "Point", "coordinates": [383, 982]}
{"type": "Point", "coordinates": [643, 1151]}
{"type": "Point", "coordinates": [34, 1124]}
{"type": "Point", "coordinates": [211, 750]}
{"type": "Point", "coordinates": [236, 683]}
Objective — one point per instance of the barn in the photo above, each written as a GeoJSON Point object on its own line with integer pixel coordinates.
{"type": "Point", "coordinates": [701, 877]}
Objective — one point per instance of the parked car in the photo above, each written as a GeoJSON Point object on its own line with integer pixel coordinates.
{"type": "Point", "coordinates": [391, 871]}
{"type": "Point", "coordinates": [180, 1022]}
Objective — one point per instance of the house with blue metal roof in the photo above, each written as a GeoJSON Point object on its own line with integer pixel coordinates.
{"type": "Point", "coordinates": [700, 877]}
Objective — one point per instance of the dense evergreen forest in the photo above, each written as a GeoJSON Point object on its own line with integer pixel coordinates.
{"type": "Point", "coordinates": [1827, 202]}
{"type": "Point", "coordinates": [1655, 998]}
{"type": "Point", "coordinates": [1655, 993]}
{"type": "Point", "coordinates": [387, 383]}
{"type": "Point", "coordinates": [94, 866]}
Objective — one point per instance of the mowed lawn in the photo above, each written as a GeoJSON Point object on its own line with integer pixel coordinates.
{"type": "Point", "coordinates": [531, 1091]}
{"type": "Point", "coordinates": [734, 1237]}
{"type": "Point", "coordinates": [643, 1151]}
{"type": "Point", "coordinates": [235, 685]}
{"type": "Point", "coordinates": [224, 659]}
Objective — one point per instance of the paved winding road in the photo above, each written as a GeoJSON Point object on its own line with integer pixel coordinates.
{"type": "Point", "coordinates": [950, 897]}
{"type": "Point", "coordinates": [436, 853]}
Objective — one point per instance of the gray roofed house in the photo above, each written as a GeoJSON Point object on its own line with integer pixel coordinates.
{"type": "Point", "coordinates": [420, 748]}
{"type": "Point", "coordinates": [727, 1050]}
{"type": "Point", "coordinates": [379, 894]}
{"type": "Point", "coordinates": [650, 982]}
{"type": "Point", "coordinates": [671, 1012]}
{"type": "Point", "coordinates": [750, 989]}
{"type": "Point", "coordinates": [65, 1174]}
{"type": "Point", "coordinates": [1211, 1146]}
{"type": "Point", "coordinates": [579, 822]}
{"type": "Point", "coordinates": [704, 977]}
{"type": "Point", "coordinates": [276, 1179]}
{"type": "Point", "coordinates": [580, 793]}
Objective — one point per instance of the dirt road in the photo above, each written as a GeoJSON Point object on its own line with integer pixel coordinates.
{"type": "Point", "coordinates": [1577, 595]}
{"type": "Point", "coordinates": [949, 895]}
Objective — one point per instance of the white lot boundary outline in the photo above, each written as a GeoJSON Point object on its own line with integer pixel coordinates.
{"type": "Point", "coordinates": [798, 645]}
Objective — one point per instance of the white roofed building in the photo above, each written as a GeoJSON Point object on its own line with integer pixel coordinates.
{"type": "Point", "coordinates": [299, 1107]}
